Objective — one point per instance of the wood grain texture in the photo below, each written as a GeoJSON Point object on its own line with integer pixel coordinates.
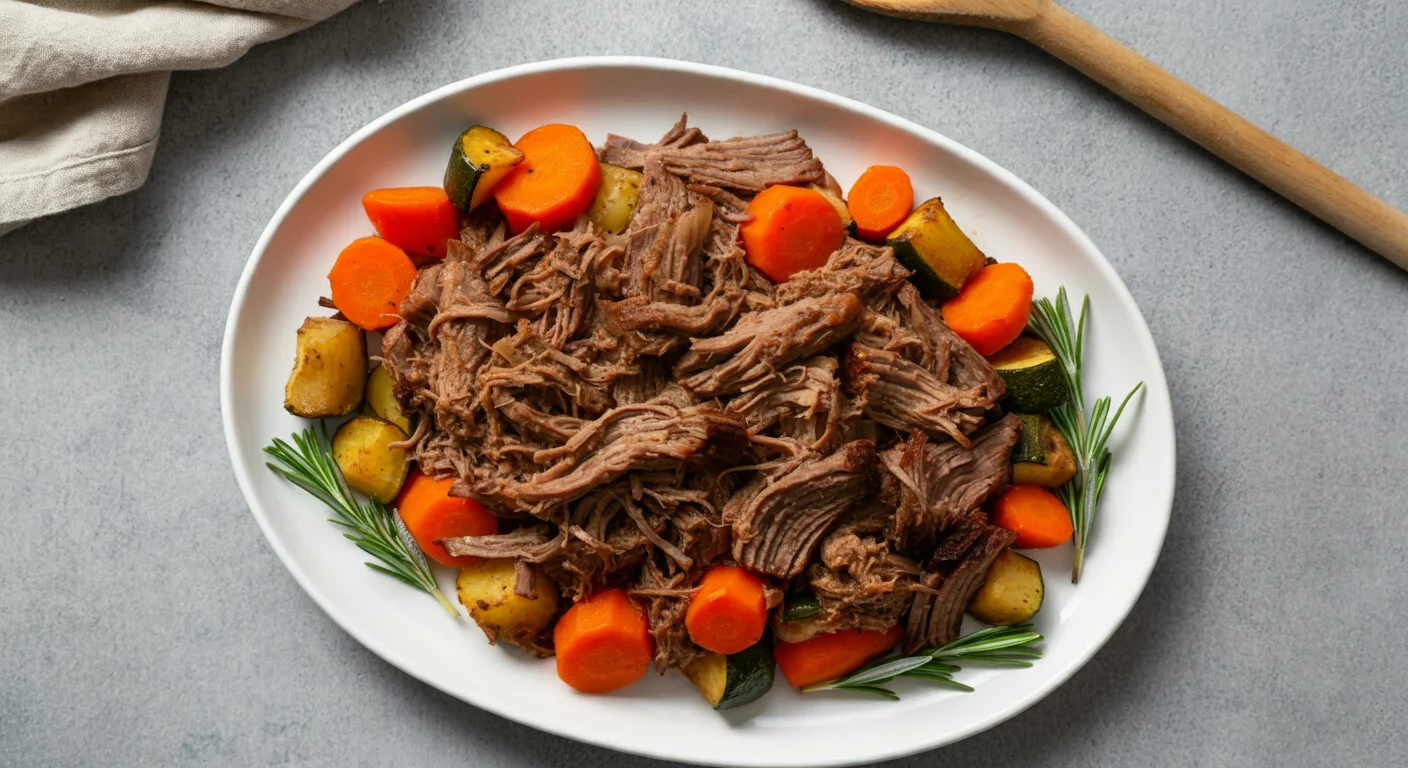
{"type": "Point", "coordinates": [1286, 171]}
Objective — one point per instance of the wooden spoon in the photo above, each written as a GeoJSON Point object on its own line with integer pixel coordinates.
{"type": "Point", "coordinates": [1312, 186]}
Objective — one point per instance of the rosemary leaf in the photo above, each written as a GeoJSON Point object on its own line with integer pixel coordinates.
{"type": "Point", "coordinates": [1004, 646]}
{"type": "Point", "coordinates": [1087, 432]}
{"type": "Point", "coordinates": [374, 528]}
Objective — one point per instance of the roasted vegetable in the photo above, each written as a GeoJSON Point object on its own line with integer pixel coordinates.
{"type": "Point", "coordinates": [554, 184]}
{"type": "Point", "coordinates": [790, 229]}
{"type": "Point", "coordinates": [480, 158]}
{"type": "Point", "coordinates": [931, 244]}
{"type": "Point", "coordinates": [1012, 592]}
{"type": "Point", "coordinates": [841, 208]}
{"type": "Point", "coordinates": [602, 642]}
{"type": "Point", "coordinates": [800, 606]}
{"type": "Point", "coordinates": [991, 310]}
{"type": "Point", "coordinates": [1031, 444]}
{"type": "Point", "coordinates": [1042, 456]}
{"type": "Point", "coordinates": [615, 200]}
{"type": "Point", "coordinates": [486, 589]}
{"type": "Point", "coordinates": [329, 369]}
{"type": "Point", "coordinates": [736, 679]}
{"type": "Point", "coordinates": [829, 656]}
{"type": "Point", "coordinates": [432, 515]}
{"type": "Point", "coordinates": [369, 280]}
{"type": "Point", "coordinates": [880, 200]}
{"type": "Point", "coordinates": [382, 400]}
{"type": "Point", "coordinates": [362, 450]}
{"type": "Point", "coordinates": [418, 220]}
{"type": "Point", "coordinates": [729, 610]}
{"type": "Point", "coordinates": [1036, 515]}
{"type": "Point", "coordinates": [797, 630]}
{"type": "Point", "coordinates": [1032, 373]}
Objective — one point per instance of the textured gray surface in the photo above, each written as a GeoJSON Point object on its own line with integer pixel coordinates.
{"type": "Point", "coordinates": [143, 620]}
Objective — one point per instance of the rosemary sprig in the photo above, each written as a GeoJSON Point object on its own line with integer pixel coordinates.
{"type": "Point", "coordinates": [378, 531]}
{"type": "Point", "coordinates": [1006, 646]}
{"type": "Point", "coordinates": [1087, 433]}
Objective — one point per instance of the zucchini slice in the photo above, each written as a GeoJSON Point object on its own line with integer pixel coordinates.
{"type": "Point", "coordinates": [480, 158]}
{"type": "Point", "coordinates": [800, 606]}
{"type": "Point", "coordinates": [847, 223]}
{"type": "Point", "coordinates": [1049, 463]}
{"type": "Point", "coordinates": [1031, 446]}
{"type": "Point", "coordinates": [733, 680]}
{"type": "Point", "coordinates": [615, 201]}
{"type": "Point", "coordinates": [1012, 593]}
{"type": "Point", "coordinates": [1032, 373]}
{"type": "Point", "coordinates": [930, 243]}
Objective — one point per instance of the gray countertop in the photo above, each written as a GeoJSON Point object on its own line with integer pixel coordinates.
{"type": "Point", "coordinates": [144, 621]}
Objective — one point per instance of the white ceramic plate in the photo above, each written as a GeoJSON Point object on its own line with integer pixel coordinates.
{"type": "Point", "coordinates": [664, 716]}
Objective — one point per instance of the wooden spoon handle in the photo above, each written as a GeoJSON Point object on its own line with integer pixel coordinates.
{"type": "Point", "coordinates": [1312, 186]}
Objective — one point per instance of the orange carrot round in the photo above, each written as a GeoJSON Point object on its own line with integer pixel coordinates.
{"type": "Point", "coordinates": [556, 181]}
{"type": "Point", "coordinates": [829, 656]}
{"type": "Point", "coordinates": [992, 309]}
{"type": "Point", "coordinates": [792, 229]}
{"type": "Point", "coordinates": [369, 280]}
{"type": "Point", "coordinates": [729, 610]}
{"type": "Point", "coordinates": [602, 643]}
{"type": "Point", "coordinates": [418, 220]}
{"type": "Point", "coordinates": [1038, 517]}
{"type": "Point", "coordinates": [431, 514]}
{"type": "Point", "coordinates": [880, 200]}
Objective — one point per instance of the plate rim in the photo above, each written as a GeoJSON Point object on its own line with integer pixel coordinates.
{"type": "Point", "coordinates": [1054, 213]}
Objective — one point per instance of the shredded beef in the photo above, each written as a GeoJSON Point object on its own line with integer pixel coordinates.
{"type": "Point", "coordinates": [937, 610]}
{"type": "Point", "coordinates": [869, 271]}
{"type": "Point", "coordinates": [946, 355]}
{"type": "Point", "coordinates": [638, 408]}
{"type": "Point", "coordinates": [778, 522]}
{"type": "Point", "coordinates": [761, 341]}
{"type": "Point", "coordinates": [934, 485]}
{"type": "Point", "coordinates": [745, 164]}
{"type": "Point", "coordinates": [905, 396]}
{"type": "Point", "coordinates": [859, 582]}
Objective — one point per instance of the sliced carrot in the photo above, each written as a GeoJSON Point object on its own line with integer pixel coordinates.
{"type": "Point", "coordinates": [556, 181]}
{"type": "Point", "coordinates": [418, 220]}
{"type": "Point", "coordinates": [829, 656]}
{"type": "Point", "coordinates": [432, 514]}
{"type": "Point", "coordinates": [729, 611]}
{"type": "Point", "coordinates": [369, 280]}
{"type": "Point", "coordinates": [880, 200]}
{"type": "Point", "coordinates": [992, 308]}
{"type": "Point", "coordinates": [602, 643]}
{"type": "Point", "coordinates": [1038, 517]}
{"type": "Point", "coordinates": [792, 229]}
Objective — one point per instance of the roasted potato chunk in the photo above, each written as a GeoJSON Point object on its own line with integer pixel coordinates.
{"type": "Point", "coordinates": [616, 198]}
{"type": "Point", "coordinates": [329, 369]}
{"type": "Point", "coordinates": [486, 590]}
{"type": "Point", "coordinates": [382, 400]}
{"type": "Point", "coordinates": [1012, 593]}
{"type": "Point", "coordinates": [362, 450]}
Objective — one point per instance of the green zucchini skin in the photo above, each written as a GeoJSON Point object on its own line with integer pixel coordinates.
{"type": "Point", "coordinates": [750, 675]}
{"type": "Point", "coordinates": [930, 243]}
{"type": "Point", "coordinates": [1031, 445]}
{"type": "Point", "coordinates": [800, 607]}
{"type": "Point", "coordinates": [1033, 375]}
{"type": "Point", "coordinates": [1036, 389]}
{"type": "Point", "coordinates": [462, 176]}
{"type": "Point", "coordinates": [468, 181]}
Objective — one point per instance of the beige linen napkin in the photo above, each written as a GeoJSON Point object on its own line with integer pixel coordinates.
{"type": "Point", "coordinates": [83, 82]}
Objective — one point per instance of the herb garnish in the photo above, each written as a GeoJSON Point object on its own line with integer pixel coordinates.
{"type": "Point", "coordinates": [1007, 646]}
{"type": "Point", "coordinates": [1087, 434]}
{"type": "Point", "coordinates": [371, 526]}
